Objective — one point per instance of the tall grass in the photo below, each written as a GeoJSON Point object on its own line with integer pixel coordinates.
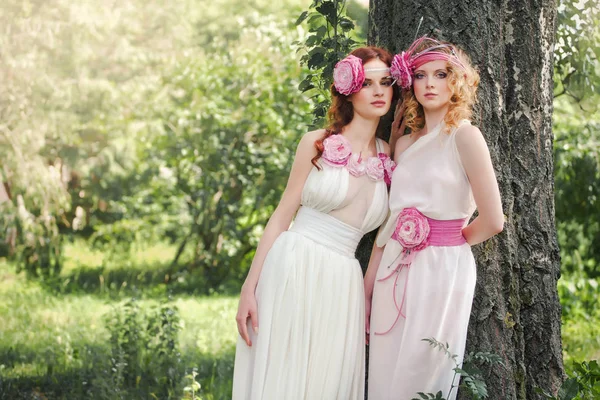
{"type": "Point", "coordinates": [55, 336]}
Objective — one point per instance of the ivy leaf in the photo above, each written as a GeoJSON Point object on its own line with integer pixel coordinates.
{"type": "Point", "coordinates": [306, 84]}
{"type": "Point", "coordinates": [316, 61]}
{"type": "Point", "coordinates": [329, 10]}
{"type": "Point", "coordinates": [569, 389]}
{"type": "Point", "coordinates": [312, 40]}
{"type": "Point", "coordinates": [346, 24]}
{"type": "Point", "coordinates": [316, 58]}
{"type": "Point", "coordinates": [321, 32]}
{"type": "Point", "coordinates": [302, 17]}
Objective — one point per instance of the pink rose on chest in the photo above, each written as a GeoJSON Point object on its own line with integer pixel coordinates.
{"type": "Point", "coordinates": [412, 230]}
{"type": "Point", "coordinates": [388, 167]}
{"type": "Point", "coordinates": [374, 168]}
{"type": "Point", "coordinates": [356, 166]}
{"type": "Point", "coordinates": [336, 150]}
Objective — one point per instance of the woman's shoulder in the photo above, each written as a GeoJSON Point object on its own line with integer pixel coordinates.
{"type": "Point", "coordinates": [469, 140]}
{"type": "Point", "coordinates": [314, 135]}
{"type": "Point", "coordinates": [466, 131]}
{"type": "Point", "coordinates": [307, 141]}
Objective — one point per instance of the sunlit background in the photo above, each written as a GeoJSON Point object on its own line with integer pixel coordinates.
{"type": "Point", "coordinates": [144, 144]}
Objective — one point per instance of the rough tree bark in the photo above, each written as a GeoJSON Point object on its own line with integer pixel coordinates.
{"type": "Point", "coordinates": [516, 311]}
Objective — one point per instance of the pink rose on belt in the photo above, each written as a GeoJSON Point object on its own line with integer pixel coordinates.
{"type": "Point", "coordinates": [336, 150]}
{"type": "Point", "coordinates": [412, 230]}
{"type": "Point", "coordinates": [348, 75]}
{"type": "Point", "coordinates": [374, 168]}
{"type": "Point", "coordinates": [401, 69]}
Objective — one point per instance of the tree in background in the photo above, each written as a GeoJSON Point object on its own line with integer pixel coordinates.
{"type": "Point", "coordinates": [516, 309]}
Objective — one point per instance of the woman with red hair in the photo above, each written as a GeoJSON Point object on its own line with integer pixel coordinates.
{"type": "Point", "coordinates": [421, 276]}
{"type": "Point", "coordinates": [301, 310]}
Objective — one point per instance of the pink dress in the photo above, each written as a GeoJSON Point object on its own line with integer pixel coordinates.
{"type": "Point", "coordinates": [436, 291]}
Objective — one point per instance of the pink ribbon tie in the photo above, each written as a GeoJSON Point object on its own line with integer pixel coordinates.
{"type": "Point", "coordinates": [443, 233]}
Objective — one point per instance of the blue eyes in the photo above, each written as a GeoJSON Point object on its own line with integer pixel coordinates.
{"type": "Point", "coordinates": [439, 75]}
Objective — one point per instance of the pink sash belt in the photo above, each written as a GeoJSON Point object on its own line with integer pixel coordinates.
{"type": "Point", "coordinates": [415, 232]}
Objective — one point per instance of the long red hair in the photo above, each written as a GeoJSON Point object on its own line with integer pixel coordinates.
{"type": "Point", "coordinates": [341, 111]}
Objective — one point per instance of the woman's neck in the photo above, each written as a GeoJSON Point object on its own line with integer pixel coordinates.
{"type": "Point", "coordinates": [433, 118]}
{"type": "Point", "coordinates": [361, 132]}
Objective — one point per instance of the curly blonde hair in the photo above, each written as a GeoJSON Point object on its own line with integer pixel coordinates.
{"type": "Point", "coordinates": [462, 82]}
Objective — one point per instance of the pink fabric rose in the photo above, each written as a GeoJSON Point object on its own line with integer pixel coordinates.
{"type": "Point", "coordinates": [388, 167]}
{"type": "Point", "coordinates": [348, 75]}
{"type": "Point", "coordinates": [356, 166]}
{"type": "Point", "coordinates": [374, 168]}
{"type": "Point", "coordinates": [401, 69]}
{"type": "Point", "coordinates": [412, 230]}
{"type": "Point", "coordinates": [336, 150]}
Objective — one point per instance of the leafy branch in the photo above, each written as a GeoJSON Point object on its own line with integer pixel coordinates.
{"type": "Point", "coordinates": [583, 384]}
{"type": "Point", "coordinates": [472, 377]}
{"type": "Point", "coordinates": [329, 40]}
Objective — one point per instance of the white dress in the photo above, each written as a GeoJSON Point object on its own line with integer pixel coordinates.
{"type": "Point", "coordinates": [311, 337]}
{"type": "Point", "coordinates": [441, 280]}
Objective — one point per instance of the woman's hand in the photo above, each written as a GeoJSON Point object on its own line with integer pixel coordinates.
{"type": "Point", "coordinates": [247, 308]}
{"type": "Point", "coordinates": [398, 125]}
{"type": "Point", "coordinates": [398, 118]}
{"type": "Point", "coordinates": [278, 223]}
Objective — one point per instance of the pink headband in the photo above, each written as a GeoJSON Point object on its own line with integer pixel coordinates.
{"type": "Point", "coordinates": [405, 63]}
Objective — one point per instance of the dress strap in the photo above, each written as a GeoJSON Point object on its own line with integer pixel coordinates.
{"type": "Point", "coordinates": [379, 145]}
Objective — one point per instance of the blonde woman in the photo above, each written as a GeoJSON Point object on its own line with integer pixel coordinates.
{"type": "Point", "coordinates": [421, 275]}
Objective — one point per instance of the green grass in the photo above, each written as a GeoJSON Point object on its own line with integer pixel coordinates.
{"type": "Point", "coordinates": [581, 317]}
{"type": "Point", "coordinates": [55, 342]}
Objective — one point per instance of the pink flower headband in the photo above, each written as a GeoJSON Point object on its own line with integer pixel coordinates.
{"type": "Point", "coordinates": [405, 63]}
{"type": "Point", "coordinates": [349, 75]}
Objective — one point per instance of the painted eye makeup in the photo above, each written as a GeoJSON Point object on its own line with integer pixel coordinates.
{"type": "Point", "coordinates": [438, 74]}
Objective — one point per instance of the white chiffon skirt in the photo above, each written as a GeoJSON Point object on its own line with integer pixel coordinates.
{"type": "Point", "coordinates": [437, 304]}
{"type": "Point", "coordinates": [311, 341]}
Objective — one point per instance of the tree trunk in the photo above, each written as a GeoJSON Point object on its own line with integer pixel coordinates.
{"type": "Point", "coordinates": [516, 311]}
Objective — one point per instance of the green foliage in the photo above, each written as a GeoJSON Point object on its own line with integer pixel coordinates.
{"type": "Point", "coordinates": [583, 385]}
{"type": "Point", "coordinates": [430, 396]}
{"type": "Point", "coordinates": [33, 239]}
{"type": "Point", "coordinates": [471, 375]}
{"type": "Point", "coordinates": [144, 354]}
{"type": "Point", "coordinates": [192, 387]}
{"type": "Point", "coordinates": [65, 346]}
{"type": "Point", "coordinates": [92, 94]}
{"type": "Point", "coordinates": [221, 157]}
{"type": "Point", "coordinates": [576, 127]}
{"type": "Point", "coordinates": [577, 54]}
{"type": "Point", "coordinates": [330, 39]}
{"type": "Point", "coordinates": [577, 182]}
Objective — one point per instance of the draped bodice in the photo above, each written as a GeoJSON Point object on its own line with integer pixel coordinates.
{"type": "Point", "coordinates": [429, 176]}
{"type": "Point", "coordinates": [357, 201]}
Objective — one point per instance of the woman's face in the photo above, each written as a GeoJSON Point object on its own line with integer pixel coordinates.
{"type": "Point", "coordinates": [431, 85]}
{"type": "Point", "coordinates": [375, 97]}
